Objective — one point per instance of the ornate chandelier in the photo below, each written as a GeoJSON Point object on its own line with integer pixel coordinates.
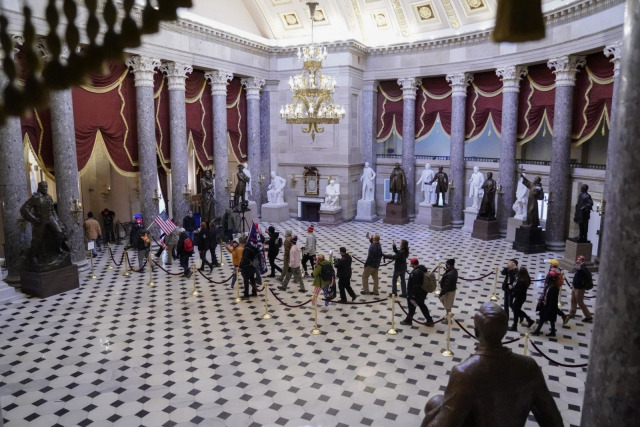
{"type": "Point", "coordinates": [312, 91]}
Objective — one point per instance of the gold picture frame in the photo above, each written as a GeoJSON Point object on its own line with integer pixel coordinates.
{"type": "Point", "coordinates": [311, 181]}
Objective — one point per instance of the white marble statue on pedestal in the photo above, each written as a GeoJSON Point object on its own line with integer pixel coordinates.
{"type": "Point", "coordinates": [368, 178]}
{"type": "Point", "coordinates": [247, 191]}
{"type": "Point", "coordinates": [522, 199]}
{"type": "Point", "coordinates": [275, 191]}
{"type": "Point", "coordinates": [475, 188]}
{"type": "Point", "coordinates": [331, 196]}
{"type": "Point", "coordinates": [427, 189]}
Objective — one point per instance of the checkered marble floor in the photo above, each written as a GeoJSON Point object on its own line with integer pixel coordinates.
{"type": "Point", "coordinates": [118, 352]}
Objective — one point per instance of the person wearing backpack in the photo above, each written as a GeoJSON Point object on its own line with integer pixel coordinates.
{"type": "Point", "coordinates": [399, 267]}
{"type": "Point", "coordinates": [323, 274]}
{"type": "Point", "coordinates": [343, 272]}
{"type": "Point", "coordinates": [185, 250]}
{"type": "Point", "coordinates": [293, 265]}
{"type": "Point", "coordinates": [582, 281]}
{"type": "Point", "coordinates": [275, 243]}
{"type": "Point", "coordinates": [416, 295]}
{"type": "Point", "coordinates": [519, 293]}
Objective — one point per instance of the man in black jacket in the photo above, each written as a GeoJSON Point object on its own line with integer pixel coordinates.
{"type": "Point", "coordinates": [202, 241]}
{"type": "Point", "coordinates": [183, 254]}
{"type": "Point", "coordinates": [189, 224]}
{"type": "Point", "coordinates": [213, 245]}
{"type": "Point", "coordinates": [371, 265]}
{"type": "Point", "coordinates": [343, 272]}
{"type": "Point", "coordinates": [580, 280]}
{"type": "Point", "coordinates": [399, 267]}
{"type": "Point", "coordinates": [448, 285]}
{"type": "Point", "coordinates": [509, 272]}
{"type": "Point", "coordinates": [415, 294]}
{"type": "Point", "coordinates": [275, 242]}
{"type": "Point", "coordinates": [248, 270]}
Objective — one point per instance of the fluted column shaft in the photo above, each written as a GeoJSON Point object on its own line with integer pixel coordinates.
{"type": "Point", "coordinates": [615, 51]}
{"type": "Point", "coordinates": [459, 83]}
{"type": "Point", "coordinates": [612, 389]}
{"type": "Point", "coordinates": [369, 121]}
{"type": "Point", "coordinates": [144, 69]}
{"type": "Point", "coordinates": [409, 87]}
{"type": "Point", "coordinates": [253, 87]}
{"type": "Point", "coordinates": [565, 69]}
{"type": "Point", "coordinates": [219, 81]}
{"type": "Point", "coordinates": [177, 75]}
{"type": "Point", "coordinates": [507, 170]}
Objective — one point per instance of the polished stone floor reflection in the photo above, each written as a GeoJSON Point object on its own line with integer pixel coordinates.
{"type": "Point", "coordinates": [118, 352]}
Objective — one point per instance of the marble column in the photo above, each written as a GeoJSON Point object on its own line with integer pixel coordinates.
{"type": "Point", "coordinates": [565, 69]}
{"type": "Point", "coordinates": [219, 81]}
{"type": "Point", "coordinates": [507, 170]}
{"type": "Point", "coordinates": [612, 390]}
{"type": "Point", "coordinates": [13, 193]}
{"type": "Point", "coordinates": [370, 121]}
{"type": "Point", "coordinates": [143, 70]}
{"type": "Point", "coordinates": [253, 87]}
{"type": "Point", "coordinates": [177, 75]}
{"type": "Point", "coordinates": [459, 83]}
{"type": "Point", "coordinates": [409, 86]}
{"type": "Point", "coordinates": [265, 134]}
{"type": "Point", "coordinates": [615, 51]}
{"type": "Point", "coordinates": [65, 163]}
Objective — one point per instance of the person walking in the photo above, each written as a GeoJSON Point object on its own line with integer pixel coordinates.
{"type": "Point", "coordinates": [581, 281]}
{"type": "Point", "coordinates": [559, 278]}
{"type": "Point", "coordinates": [519, 296]}
{"type": "Point", "coordinates": [275, 243]}
{"type": "Point", "coordinates": [248, 270]}
{"type": "Point", "coordinates": [185, 251]}
{"type": "Point", "coordinates": [171, 241]}
{"type": "Point", "coordinates": [343, 272]}
{"type": "Point", "coordinates": [235, 249]}
{"type": "Point", "coordinates": [92, 231]}
{"type": "Point", "coordinates": [448, 285]}
{"type": "Point", "coordinates": [309, 250]}
{"type": "Point", "coordinates": [143, 246]}
{"type": "Point", "coordinates": [509, 272]}
{"type": "Point", "coordinates": [416, 295]}
{"type": "Point", "coordinates": [371, 265]}
{"type": "Point", "coordinates": [189, 224]}
{"type": "Point", "coordinates": [322, 281]}
{"type": "Point", "coordinates": [548, 303]}
{"type": "Point", "coordinates": [399, 267]}
{"type": "Point", "coordinates": [285, 258]}
{"type": "Point", "coordinates": [202, 238]}
{"type": "Point", "coordinates": [293, 269]}
{"type": "Point", "coordinates": [213, 245]}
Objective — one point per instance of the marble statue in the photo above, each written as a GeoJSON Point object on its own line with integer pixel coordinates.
{"type": "Point", "coordinates": [241, 186]}
{"type": "Point", "coordinates": [368, 179]}
{"type": "Point", "coordinates": [520, 205]}
{"type": "Point", "coordinates": [397, 184]}
{"type": "Point", "coordinates": [475, 188]}
{"type": "Point", "coordinates": [49, 249]}
{"type": "Point", "coordinates": [583, 213]}
{"type": "Point", "coordinates": [247, 172]}
{"type": "Point", "coordinates": [207, 197]}
{"type": "Point", "coordinates": [535, 193]}
{"type": "Point", "coordinates": [488, 206]}
{"type": "Point", "coordinates": [472, 393]}
{"type": "Point", "coordinates": [427, 189]}
{"type": "Point", "coordinates": [331, 196]}
{"type": "Point", "coordinates": [275, 191]}
{"type": "Point", "coordinates": [442, 186]}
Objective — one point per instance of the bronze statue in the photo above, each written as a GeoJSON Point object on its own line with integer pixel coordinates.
{"type": "Point", "coordinates": [442, 186]}
{"type": "Point", "coordinates": [488, 204]}
{"type": "Point", "coordinates": [583, 213]}
{"type": "Point", "coordinates": [397, 184]}
{"type": "Point", "coordinates": [241, 186]}
{"type": "Point", "coordinates": [49, 249]}
{"type": "Point", "coordinates": [494, 387]}
{"type": "Point", "coordinates": [535, 193]}
{"type": "Point", "coordinates": [207, 198]}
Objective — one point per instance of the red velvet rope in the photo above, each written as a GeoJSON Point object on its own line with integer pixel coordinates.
{"type": "Point", "coordinates": [356, 303]}
{"type": "Point", "coordinates": [144, 264]}
{"type": "Point", "coordinates": [477, 278]}
{"type": "Point", "coordinates": [362, 262]}
{"type": "Point", "coordinates": [285, 304]}
{"type": "Point", "coordinates": [466, 331]}
{"type": "Point", "coordinates": [164, 269]}
{"type": "Point", "coordinates": [417, 321]}
{"type": "Point", "coordinates": [113, 259]}
{"type": "Point", "coordinates": [214, 281]}
{"type": "Point", "coordinates": [564, 365]}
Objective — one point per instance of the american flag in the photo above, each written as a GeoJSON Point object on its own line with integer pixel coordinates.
{"type": "Point", "coordinates": [255, 242]}
{"type": "Point", "coordinates": [165, 224]}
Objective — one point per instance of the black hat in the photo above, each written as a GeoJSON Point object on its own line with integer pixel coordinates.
{"type": "Point", "coordinates": [513, 260]}
{"type": "Point", "coordinates": [451, 262]}
{"type": "Point", "coordinates": [343, 250]}
{"type": "Point", "coordinates": [294, 239]}
{"type": "Point", "coordinates": [271, 229]}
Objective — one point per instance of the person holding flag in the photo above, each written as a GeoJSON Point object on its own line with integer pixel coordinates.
{"type": "Point", "coordinates": [253, 263]}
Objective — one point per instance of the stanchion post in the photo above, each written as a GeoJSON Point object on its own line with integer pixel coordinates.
{"type": "Point", "coordinates": [266, 301]}
{"type": "Point", "coordinates": [393, 331]}
{"type": "Point", "coordinates": [560, 304]}
{"type": "Point", "coordinates": [92, 276]}
{"type": "Point", "coordinates": [437, 292]}
{"type": "Point", "coordinates": [235, 271]}
{"type": "Point", "coordinates": [526, 343]}
{"type": "Point", "coordinates": [494, 297]}
{"type": "Point", "coordinates": [315, 330]}
{"type": "Point", "coordinates": [109, 255]}
{"type": "Point", "coordinates": [151, 282]}
{"type": "Point", "coordinates": [125, 258]}
{"type": "Point", "coordinates": [221, 257]}
{"type": "Point", "coordinates": [195, 292]}
{"type": "Point", "coordinates": [447, 351]}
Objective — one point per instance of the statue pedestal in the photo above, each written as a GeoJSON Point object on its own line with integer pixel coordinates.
{"type": "Point", "coordinates": [440, 218]}
{"type": "Point", "coordinates": [424, 215]}
{"type": "Point", "coordinates": [8, 294]}
{"type": "Point", "coordinates": [366, 211]}
{"type": "Point", "coordinates": [470, 216]}
{"type": "Point", "coordinates": [43, 285]}
{"type": "Point", "coordinates": [331, 216]}
{"type": "Point", "coordinates": [486, 229]}
{"type": "Point", "coordinates": [396, 214]}
{"type": "Point", "coordinates": [275, 213]}
{"type": "Point", "coordinates": [530, 240]}
{"type": "Point", "coordinates": [512, 224]}
{"type": "Point", "coordinates": [571, 252]}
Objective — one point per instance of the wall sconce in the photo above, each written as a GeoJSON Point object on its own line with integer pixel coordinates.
{"type": "Point", "coordinates": [294, 181]}
{"type": "Point", "coordinates": [76, 208]}
{"type": "Point", "coordinates": [187, 193]}
{"type": "Point", "coordinates": [261, 180]}
{"type": "Point", "coordinates": [451, 187]}
{"type": "Point", "coordinates": [600, 207]}
{"type": "Point", "coordinates": [500, 192]}
{"type": "Point", "coordinates": [549, 198]}
{"type": "Point", "coordinates": [156, 197]}
{"type": "Point", "coordinates": [106, 192]}
{"type": "Point", "coordinates": [228, 187]}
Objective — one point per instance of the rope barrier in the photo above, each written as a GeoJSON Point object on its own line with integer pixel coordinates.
{"type": "Point", "coordinates": [564, 365]}
{"type": "Point", "coordinates": [113, 259]}
{"type": "Point", "coordinates": [165, 270]}
{"type": "Point", "coordinates": [466, 331]}
{"type": "Point", "coordinates": [287, 305]}
{"type": "Point", "coordinates": [215, 281]}
{"type": "Point", "coordinates": [144, 264]}
{"type": "Point", "coordinates": [375, 301]}
{"type": "Point", "coordinates": [362, 262]}
{"type": "Point", "coordinates": [477, 278]}
{"type": "Point", "coordinates": [417, 321]}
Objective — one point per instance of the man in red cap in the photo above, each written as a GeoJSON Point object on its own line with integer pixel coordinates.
{"type": "Point", "coordinates": [415, 294]}
{"type": "Point", "coordinates": [309, 250]}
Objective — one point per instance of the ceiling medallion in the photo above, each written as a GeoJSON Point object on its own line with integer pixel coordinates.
{"type": "Point", "coordinates": [312, 91]}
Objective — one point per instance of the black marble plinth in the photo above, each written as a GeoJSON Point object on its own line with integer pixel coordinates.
{"type": "Point", "coordinates": [486, 229]}
{"type": "Point", "coordinates": [530, 240]}
{"type": "Point", "coordinates": [43, 285]}
{"type": "Point", "coordinates": [396, 214]}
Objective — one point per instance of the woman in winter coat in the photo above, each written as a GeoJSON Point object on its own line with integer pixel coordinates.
{"type": "Point", "coordinates": [548, 303]}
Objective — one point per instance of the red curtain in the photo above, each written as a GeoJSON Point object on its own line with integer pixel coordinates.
{"type": "Point", "coordinates": [433, 101]}
{"type": "Point", "coordinates": [163, 135]}
{"type": "Point", "coordinates": [594, 93]}
{"type": "Point", "coordinates": [389, 110]}
{"type": "Point", "coordinates": [484, 101]}
{"type": "Point", "coordinates": [37, 126]}
{"type": "Point", "coordinates": [536, 101]}
{"type": "Point", "coordinates": [237, 119]}
{"type": "Point", "coordinates": [199, 106]}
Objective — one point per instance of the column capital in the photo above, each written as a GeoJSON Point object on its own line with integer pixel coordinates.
{"type": "Point", "coordinates": [143, 69]}
{"type": "Point", "coordinates": [511, 76]}
{"type": "Point", "coordinates": [459, 83]}
{"type": "Point", "coordinates": [176, 74]}
{"type": "Point", "coordinates": [370, 85]}
{"type": "Point", "coordinates": [409, 87]}
{"type": "Point", "coordinates": [219, 81]}
{"type": "Point", "coordinates": [253, 86]}
{"type": "Point", "coordinates": [614, 50]}
{"type": "Point", "coordinates": [271, 85]}
{"type": "Point", "coordinates": [565, 69]}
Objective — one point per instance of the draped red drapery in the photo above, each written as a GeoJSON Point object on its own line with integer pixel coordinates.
{"type": "Point", "coordinates": [237, 119]}
{"type": "Point", "coordinates": [484, 102]}
{"type": "Point", "coordinates": [389, 110]}
{"type": "Point", "coordinates": [36, 130]}
{"type": "Point", "coordinates": [536, 102]}
{"type": "Point", "coordinates": [162, 119]}
{"type": "Point", "coordinates": [199, 106]}
{"type": "Point", "coordinates": [433, 101]}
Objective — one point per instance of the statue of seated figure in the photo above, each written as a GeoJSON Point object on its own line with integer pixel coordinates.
{"type": "Point", "coordinates": [331, 196]}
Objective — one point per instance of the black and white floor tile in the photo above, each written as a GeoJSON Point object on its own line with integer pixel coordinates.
{"type": "Point", "coordinates": [118, 352]}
